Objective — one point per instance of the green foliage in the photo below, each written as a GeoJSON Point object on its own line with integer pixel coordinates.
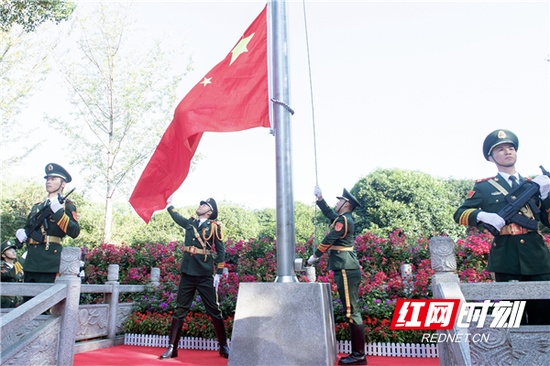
{"type": "Point", "coordinates": [267, 219]}
{"type": "Point", "coordinates": [238, 222]}
{"type": "Point", "coordinates": [131, 229]}
{"type": "Point", "coordinates": [31, 13]}
{"type": "Point", "coordinates": [304, 218]}
{"type": "Point", "coordinates": [16, 201]}
{"type": "Point", "coordinates": [414, 202]}
{"type": "Point", "coordinates": [90, 219]}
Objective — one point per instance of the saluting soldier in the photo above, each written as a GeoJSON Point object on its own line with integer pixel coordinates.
{"type": "Point", "coordinates": [203, 237]}
{"type": "Point", "coordinates": [12, 271]}
{"type": "Point", "coordinates": [347, 270]}
{"type": "Point", "coordinates": [43, 258]}
{"type": "Point", "coordinates": [517, 253]}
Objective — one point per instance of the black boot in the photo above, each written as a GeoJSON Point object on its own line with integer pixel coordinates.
{"type": "Point", "coordinates": [357, 356]}
{"type": "Point", "coordinates": [219, 326]}
{"type": "Point", "coordinates": [175, 334]}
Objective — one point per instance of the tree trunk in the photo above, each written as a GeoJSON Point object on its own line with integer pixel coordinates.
{"type": "Point", "coordinates": [108, 220]}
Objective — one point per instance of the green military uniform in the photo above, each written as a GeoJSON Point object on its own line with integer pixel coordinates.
{"type": "Point", "coordinates": [10, 273]}
{"type": "Point", "coordinates": [342, 258]}
{"type": "Point", "coordinates": [517, 253]}
{"type": "Point", "coordinates": [43, 258]}
{"type": "Point", "coordinates": [347, 272]}
{"type": "Point", "coordinates": [210, 234]}
{"type": "Point", "coordinates": [197, 269]}
{"type": "Point", "coordinates": [516, 250]}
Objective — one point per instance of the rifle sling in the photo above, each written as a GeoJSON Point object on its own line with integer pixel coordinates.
{"type": "Point", "coordinates": [527, 211]}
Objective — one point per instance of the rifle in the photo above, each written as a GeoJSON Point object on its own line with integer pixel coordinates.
{"type": "Point", "coordinates": [510, 212]}
{"type": "Point", "coordinates": [544, 171]}
{"type": "Point", "coordinates": [42, 217]}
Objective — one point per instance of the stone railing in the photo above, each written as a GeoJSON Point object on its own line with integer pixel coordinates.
{"type": "Point", "coordinates": [526, 345]}
{"type": "Point", "coordinates": [30, 338]}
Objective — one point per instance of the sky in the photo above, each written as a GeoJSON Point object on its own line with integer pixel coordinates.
{"type": "Point", "coordinates": [408, 85]}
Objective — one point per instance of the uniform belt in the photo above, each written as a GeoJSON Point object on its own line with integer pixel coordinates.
{"type": "Point", "coordinates": [195, 250]}
{"type": "Point", "coordinates": [341, 248]}
{"type": "Point", "coordinates": [514, 229]}
{"type": "Point", "coordinates": [48, 239]}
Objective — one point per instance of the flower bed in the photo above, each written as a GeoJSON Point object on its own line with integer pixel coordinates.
{"type": "Point", "coordinates": [254, 260]}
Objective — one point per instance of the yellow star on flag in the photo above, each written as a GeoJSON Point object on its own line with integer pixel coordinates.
{"type": "Point", "coordinates": [240, 48]}
{"type": "Point", "coordinates": [206, 81]}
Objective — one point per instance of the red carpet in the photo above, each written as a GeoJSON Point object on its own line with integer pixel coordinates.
{"type": "Point", "coordinates": [137, 355]}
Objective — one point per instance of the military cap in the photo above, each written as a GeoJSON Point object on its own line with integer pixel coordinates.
{"type": "Point", "coordinates": [56, 170]}
{"type": "Point", "coordinates": [213, 206]}
{"type": "Point", "coordinates": [7, 245]}
{"type": "Point", "coordinates": [350, 198]}
{"type": "Point", "coordinates": [498, 137]}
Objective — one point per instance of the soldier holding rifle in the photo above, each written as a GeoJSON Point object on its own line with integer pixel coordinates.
{"type": "Point", "coordinates": [57, 219]}
{"type": "Point", "coordinates": [518, 251]}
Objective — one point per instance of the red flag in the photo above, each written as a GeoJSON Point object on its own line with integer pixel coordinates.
{"type": "Point", "coordinates": [233, 96]}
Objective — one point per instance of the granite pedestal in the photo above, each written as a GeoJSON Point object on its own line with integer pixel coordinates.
{"type": "Point", "coordinates": [283, 324]}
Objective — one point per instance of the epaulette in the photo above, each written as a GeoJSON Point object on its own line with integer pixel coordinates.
{"type": "Point", "coordinates": [219, 234]}
{"type": "Point", "coordinates": [483, 180]}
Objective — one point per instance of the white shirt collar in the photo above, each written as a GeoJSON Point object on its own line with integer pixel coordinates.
{"type": "Point", "coordinates": [506, 176]}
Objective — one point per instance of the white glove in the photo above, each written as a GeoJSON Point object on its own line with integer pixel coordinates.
{"type": "Point", "coordinates": [55, 205]}
{"type": "Point", "coordinates": [312, 260]}
{"type": "Point", "coordinates": [169, 200]}
{"type": "Point", "coordinates": [492, 219]}
{"type": "Point", "coordinates": [317, 192]}
{"type": "Point", "coordinates": [21, 235]}
{"type": "Point", "coordinates": [544, 182]}
{"type": "Point", "coordinates": [217, 279]}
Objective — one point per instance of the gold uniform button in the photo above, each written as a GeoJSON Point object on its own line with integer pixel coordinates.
{"type": "Point", "coordinates": [522, 241]}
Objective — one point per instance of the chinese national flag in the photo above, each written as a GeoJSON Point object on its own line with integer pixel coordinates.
{"type": "Point", "coordinates": [233, 96]}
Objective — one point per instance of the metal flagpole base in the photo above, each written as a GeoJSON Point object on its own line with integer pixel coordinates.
{"type": "Point", "coordinates": [283, 324]}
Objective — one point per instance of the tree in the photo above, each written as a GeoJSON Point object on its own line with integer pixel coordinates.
{"type": "Point", "coordinates": [31, 13]}
{"type": "Point", "coordinates": [24, 54]}
{"type": "Point", "coordinates": [304, 218]}
{"type": "Point", "coordinates": [16, 201]}
{"type": "Point", "coordinates": [267, 219]}
{"type": "Point", "coordinates": [238, 222]}
{"type": "Point", "coordinates": [412, 201]}
{"type": "Point", "coordinates": [123, 94]}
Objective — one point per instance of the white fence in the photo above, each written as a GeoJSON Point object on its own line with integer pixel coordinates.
{"type": "Point", "coordinates": [371, 349]}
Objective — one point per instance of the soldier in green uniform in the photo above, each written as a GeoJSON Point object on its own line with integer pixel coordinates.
{"type": "Point", "coordinates": [12, 271]}
{"type": "Point", "coordinates": [517, 253]}
{"type": "Point", "coordinates": [43, 258]}
{"type": "Point", "coordinates": [347, 270]}
{"type": "Point", "coordinates": [203, 237]}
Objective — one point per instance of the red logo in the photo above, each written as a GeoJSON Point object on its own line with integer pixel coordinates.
{"type": "Point", "coordinates": [339, 226]}
{"type": "Point", "coordinates": [425, 314]}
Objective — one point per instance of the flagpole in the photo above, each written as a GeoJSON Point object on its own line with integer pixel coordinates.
{"type": "Point", "coordinates": [280, 95]}
{"type": "Point", "coordinates": [301, 312]}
